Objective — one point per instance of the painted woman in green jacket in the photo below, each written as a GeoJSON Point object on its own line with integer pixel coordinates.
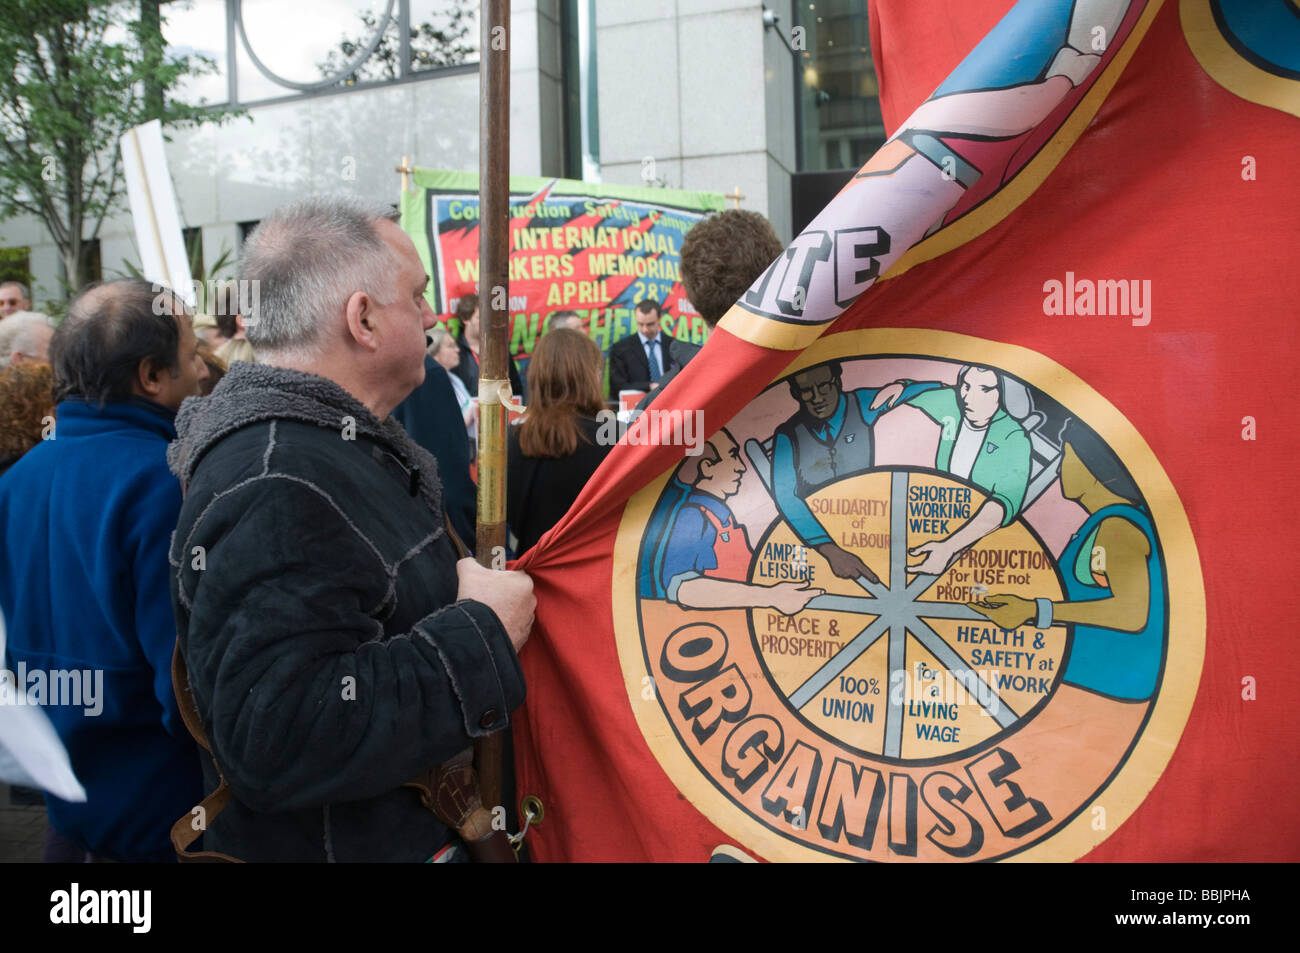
{"type": "Point", "coordinates": [979, 442]}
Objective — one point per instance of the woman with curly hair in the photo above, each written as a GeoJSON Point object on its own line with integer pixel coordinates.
{"type": "Point", "coordinates": [26, 409]}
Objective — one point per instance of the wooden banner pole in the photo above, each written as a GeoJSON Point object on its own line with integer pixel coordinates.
{"type": "Point", "coordinates": [494, 298]}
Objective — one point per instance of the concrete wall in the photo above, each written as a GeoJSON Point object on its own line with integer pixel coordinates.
{"type": "Point", "coordinates": [703, 90]}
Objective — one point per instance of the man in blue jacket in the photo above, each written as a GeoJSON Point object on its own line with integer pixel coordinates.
{"type": "Point", "coordinates": [85, 521]}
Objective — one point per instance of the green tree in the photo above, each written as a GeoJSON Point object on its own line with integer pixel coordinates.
{"type": "Point", "coordinates": [74, 76]}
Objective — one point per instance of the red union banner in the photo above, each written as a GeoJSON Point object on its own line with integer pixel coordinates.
{"type": "Point", "coordinates": [574, 246]}
{"type": "Point", "coordinates": [980, 559]}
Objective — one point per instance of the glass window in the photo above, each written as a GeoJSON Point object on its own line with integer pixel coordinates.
{"type": "Point", "coordinates": [444, 33]}
{"type": "Point", "coordinates": [198, 27]}
{"type": "Point", "coordinates": [252, 85]}
{"type": "Point", "coordinates": [842, 124]}
{"type": "Point", "coordinates": [352, 37]}
{"type": "Point", "coordinates": [193, 238]}
{"type": "Point", "coordinates": [15, 265]}
{"type": "Point", "coordinates": [308, 47]}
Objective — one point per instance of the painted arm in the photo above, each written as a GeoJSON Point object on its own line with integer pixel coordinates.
{"type": "Point", "coordinates": [1002, 113]}
{"type": "Point", "coordinates": [940, 552]}
{"type": "Point", "coordinates": [705, 593]}
{"type": "Point", "coordinates": [995, 113]}
{"type": "Point", "coordinates": [792, 507]}
{"type": "Point", "coordinates": [1012, 478]}
{"type": "Point", "coordinates": [1126, 609]}
{"type": "Point", "coordinates": [901, 391]}
{"type": "Point", "coordinates": [1125, 551]}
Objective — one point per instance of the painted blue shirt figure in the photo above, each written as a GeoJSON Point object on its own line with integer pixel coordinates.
{"type": "Point", "coordinates": [704, 540]}
{"type": "Point", "coordinates": [827, 439]}
{"type": "Point", "coordinates": [811, 451]}
{"type": "Point", "coordinates": [695, 553]}
{"type": "Point", "coordinates": [650, 570]}
{"type": "Point", "coordinates": [692, 531]}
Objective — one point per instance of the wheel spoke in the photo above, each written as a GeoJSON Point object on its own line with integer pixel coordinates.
{"type": "Point", "coordinates": [894, 711]}
{"type": "Point", "coordinates": [947, 610]}
{"type": "Point", "coordinates": [838, 663]}
{"type": "Point", "coordinates": [917, 586]}
{"type": "Point", "coordinates": [947, 656]}
{"type": "Point", "coordinates": [898, 531]}
{"type": "Point", "coordinates": [897, 610]}
{"type": "Point", "coordinates": [879, 590]}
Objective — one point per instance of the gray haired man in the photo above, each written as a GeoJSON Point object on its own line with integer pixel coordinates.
{"type": "Point", "coordinates": [336, 647]}
{"type": "Point", "coordinates": [14, 297]}
{"type": "Point", "coordinates": [25, 338]}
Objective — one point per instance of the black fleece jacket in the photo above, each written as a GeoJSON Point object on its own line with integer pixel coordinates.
{"type": "Point", "coordinates": [314, 587]}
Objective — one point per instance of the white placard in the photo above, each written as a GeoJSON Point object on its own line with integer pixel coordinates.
{"type": "Point", "coordinates": [30, 751]}
{"type": "Point", "coordinates": [157, 217]}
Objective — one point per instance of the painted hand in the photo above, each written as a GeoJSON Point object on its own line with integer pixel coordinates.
{"type": "Point", "coordinates": [844, 564]}
{"type": "Point", "coordinates": [789, 597]}
{"type": "Point", "coordinates": [1006, 611]}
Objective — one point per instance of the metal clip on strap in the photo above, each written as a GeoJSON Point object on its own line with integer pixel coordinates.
{"type": "Point", "coordinates": [531, 808]}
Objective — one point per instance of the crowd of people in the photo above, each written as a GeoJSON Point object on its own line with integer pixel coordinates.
{"type": "Point", "coordinates": [254, 529]}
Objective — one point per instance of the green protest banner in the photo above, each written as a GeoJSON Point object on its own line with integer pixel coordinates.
{"type": "Point", "coordinates": [575, 246]}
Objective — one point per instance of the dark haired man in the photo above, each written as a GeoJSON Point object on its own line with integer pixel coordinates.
{"type": "Point", "coordinates": [85, 521]}
{"type": "Point", "coordinates": [829, 438]}
{"type": "Point", "coordinates": [639, 361]}
{"type": "Point", "coordinates": [471, 343]}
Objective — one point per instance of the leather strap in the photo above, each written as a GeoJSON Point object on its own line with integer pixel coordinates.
{"type": "Point", "coordinates": [184, 831]}
{"type": "Point", "coordinates": [462, 551]}
{"type": "Point", "coordinates": [450, 791]}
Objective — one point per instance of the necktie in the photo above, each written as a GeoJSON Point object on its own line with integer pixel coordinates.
{"type": "Point", "coordinates": [652, 355]}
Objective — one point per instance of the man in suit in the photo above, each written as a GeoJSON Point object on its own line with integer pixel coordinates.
{"type": "Point", "coordinates": [640, 360]}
